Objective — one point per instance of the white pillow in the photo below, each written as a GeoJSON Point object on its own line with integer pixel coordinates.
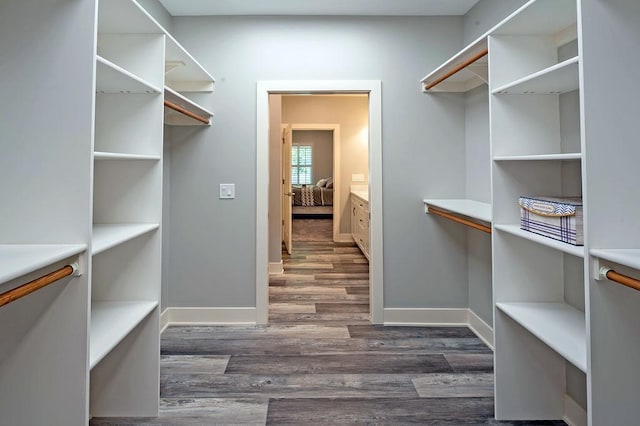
{"type": "Point", "coordinates": [322, 182]}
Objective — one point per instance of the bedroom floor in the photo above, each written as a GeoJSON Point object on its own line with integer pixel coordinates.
{"type": "Point", "coordinates": [319, 361]}
{"type": "Point", "coordinates": [312, 230]}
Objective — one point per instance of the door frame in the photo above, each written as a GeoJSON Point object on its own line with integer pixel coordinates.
{"type": "Point", "coordinates": [374, 89]}
{"type": "Point", "coordinates": [336, 166]}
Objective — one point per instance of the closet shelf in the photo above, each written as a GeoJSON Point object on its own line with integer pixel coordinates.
{"type": "Point", "coordinates": [468, 208]}
{"type": "Point", "coordinates": [111, 322]}
{"type": "Point", "coordinates": [555, 18]}
{"type": "Point", "coordinates": [555, 80]}
{"type": "Point", "coordinates": [464, 71]}
{"type": "Point", "coordinates": [181, 111]}
{"type": "Point", "coordinates": [182, 71]}
{"type": "Point", "coordinates": [624, 257]}
{"type": "Point", "coordinates": [558, 325]}
{"type": "Point", "coordinates": [17, 260]}
{"type": "Point", "coordinates": [515, 230]}
{"type": "Point", "coordinates": [98, 155]}
{"type": "Point", "coordinates": [111, 78]}
{"type": "Point", "coordinates": [540, 157]}
{"type": "Point", "coordinates": [106, 236]}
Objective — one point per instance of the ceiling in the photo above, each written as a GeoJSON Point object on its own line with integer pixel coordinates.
{"type": "Point", "coordinates": [318, 7]}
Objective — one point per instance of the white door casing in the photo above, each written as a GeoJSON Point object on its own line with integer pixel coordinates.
{"type": "Point", "coordinates": [287, 195]}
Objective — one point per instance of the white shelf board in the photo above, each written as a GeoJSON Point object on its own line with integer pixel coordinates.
{"type": "Point", "coordinates": [106, 236]}
{"type": "Point", "coordinates": [111, 322]}
{"type": "Point", "coordinates": [515, 230]}
{"type": "Point", "coordinates": [125, 17]}
{"type": "Point", "coordinates": [470, 208]}
{"type": "Point", "coordinates": [182, 71]}
{"type": "Point", "coordinates": [99, 155]}
{"type": "Point", "coordinates": [558, 325]}
{"type": "Point", "coordinates": [175, 118]}
{"type": "Point", "coordinates": [539, 17]}
{"type": "Point", "coordinates": [467, 78]}
{"type": "Point", "coordinates": [111, 78]}
{"type": "Point", "coordinates": [557, 79]}
{"type": "Point", "coordinates": [540, 157]}
{"type": "Point", "coordinates": [17, 260]}
{"type": "Point", "coordinates": [625, 257]}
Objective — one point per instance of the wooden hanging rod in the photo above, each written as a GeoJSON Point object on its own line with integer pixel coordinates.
{"type": "Point", "coordinates": [457, 68]}
{"type": "Point", "coordinates": [625, 280]}
{"type": "Point", "coordinates": [28, 288]}
{"type": "Point", "coordinates": [185, 111]}
{"type": "Point", "coordinates": [461, 220]}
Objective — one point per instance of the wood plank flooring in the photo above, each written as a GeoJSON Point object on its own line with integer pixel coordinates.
{"type": "Point", "coordinates": [319, 361]}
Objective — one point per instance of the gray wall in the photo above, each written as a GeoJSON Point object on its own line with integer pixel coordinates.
{"type": "Point", "coordinates": [213, 242]}
{"type": "Point", "coordinates": [321, 142]}
{"type": "Point", "coordinates": [485, 14]}
{"type": "Point", "coordinates": [159, 13]}
{"type": "Point", "coordinates": [478, 167]}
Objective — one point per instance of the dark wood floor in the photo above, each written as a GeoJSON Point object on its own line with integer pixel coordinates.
{"type": "Point", "coordinates": [319, 361]}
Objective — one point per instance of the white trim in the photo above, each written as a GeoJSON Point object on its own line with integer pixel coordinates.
{"type": "Point", "coordinates": [164, 320]}
{"type": "Point", "coordinates": [574, 414]}
{"type": "Point", "coordinates": [426, 316]}
{"type": "Point", "coordinates": [374, 90]}
{"type": "Point", "coordinates": [276, 267]}
{"type": "Point", "coordinates": [481, 329]}
{"type": "Point", "coordinates": [209, 316]}
{"type": "Point", "coordinates": [337, 178]}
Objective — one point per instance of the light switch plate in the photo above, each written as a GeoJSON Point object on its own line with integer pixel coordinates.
{"type": "Point", "coordinates": [357, 178]}
{"type": "Point", "coordinates": [227, 190]}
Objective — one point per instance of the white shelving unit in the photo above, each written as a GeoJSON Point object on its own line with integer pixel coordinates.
{"type": "Point", "coordinates": [555, 80]}
{"type": "Point", "coordinates": [515, 230]}
{"type": "Point", "coordinates": [120, 156]}
{"type": "Point", "coordinates": [609, 97]}
{"type": "Point", "coordinates": [110, 78]}
{"type": "Point", "coordinates": [466, 74]}
{"type": "Point", "coordinates": [173, 117]}
{"type": "Point", "coordinates": [46, 79]}
{"type": "Point", "coordinates": [17, 260]}
{"type": "Point", "coordinates": [538, 283]}
{"type": "Point", "coordinates": [470, 76]}
{"type": "Point", "coordinates": [111, 322]}
{"type": "Point", "coordinates": [559, 325]}
{"type": "Point", "coordinates": [108, 236]}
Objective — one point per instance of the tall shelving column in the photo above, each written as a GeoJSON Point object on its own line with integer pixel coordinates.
{"type": "Point", "coordinates": [610, 35]}
{"type": "Point", "coordinates": [127, 211]}
{"type": "Point", "coordinates": [46, 78]}
{"type": "Point", "coordinates": [538, 283]}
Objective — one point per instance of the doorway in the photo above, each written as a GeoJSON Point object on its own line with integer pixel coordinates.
{"type": "Point", "coordinates": [373, 90]}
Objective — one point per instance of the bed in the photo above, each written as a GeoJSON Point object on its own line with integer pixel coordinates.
{"type": "Point", "coordinates": [313, 200]}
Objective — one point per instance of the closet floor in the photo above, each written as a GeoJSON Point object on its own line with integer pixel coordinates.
{"type": "Point", "coordinates": [319, 361]}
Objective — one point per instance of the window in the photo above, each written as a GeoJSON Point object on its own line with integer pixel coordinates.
{"type": "Point", "coordinates": [301, 164]}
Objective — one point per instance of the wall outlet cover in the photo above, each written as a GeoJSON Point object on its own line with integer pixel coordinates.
{"type": "Point", "coordinates": [227, 190]}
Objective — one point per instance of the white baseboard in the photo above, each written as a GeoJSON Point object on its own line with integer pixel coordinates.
{"type": "Point", "coordinates": [481, 329]}
{"type": "Point", "coordinates": [344, 238]}
{"type": "Point", "coordinates": [574, 414]}
{"type": "Point", "coordinates": [164, 320]}
{"type": "Point", "coordinates": [208, 316]}
{"type": "Point", "coordinates": [276, 267]}
{"type": "Point", "coordinates": [425, 316]}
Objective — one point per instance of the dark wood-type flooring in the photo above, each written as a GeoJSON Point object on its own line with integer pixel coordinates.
{"type": "Point", "coordinates": [319, 361]}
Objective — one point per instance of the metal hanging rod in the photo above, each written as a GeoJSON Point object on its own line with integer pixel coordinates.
{"type": "Point", "coordinates": [461, 220]}
{"type": "Point", "coordinates": [28, 288]}
{"type": "Point", "coordinates": [185, 111]}
{"type": "Point", "coordinates": [614, 276]}
{"type": "Point", "coordinates": [457, 68]}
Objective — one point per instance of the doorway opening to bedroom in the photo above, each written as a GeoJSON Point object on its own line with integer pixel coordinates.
{"type": "Point", "coordinates": [324, 157]}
